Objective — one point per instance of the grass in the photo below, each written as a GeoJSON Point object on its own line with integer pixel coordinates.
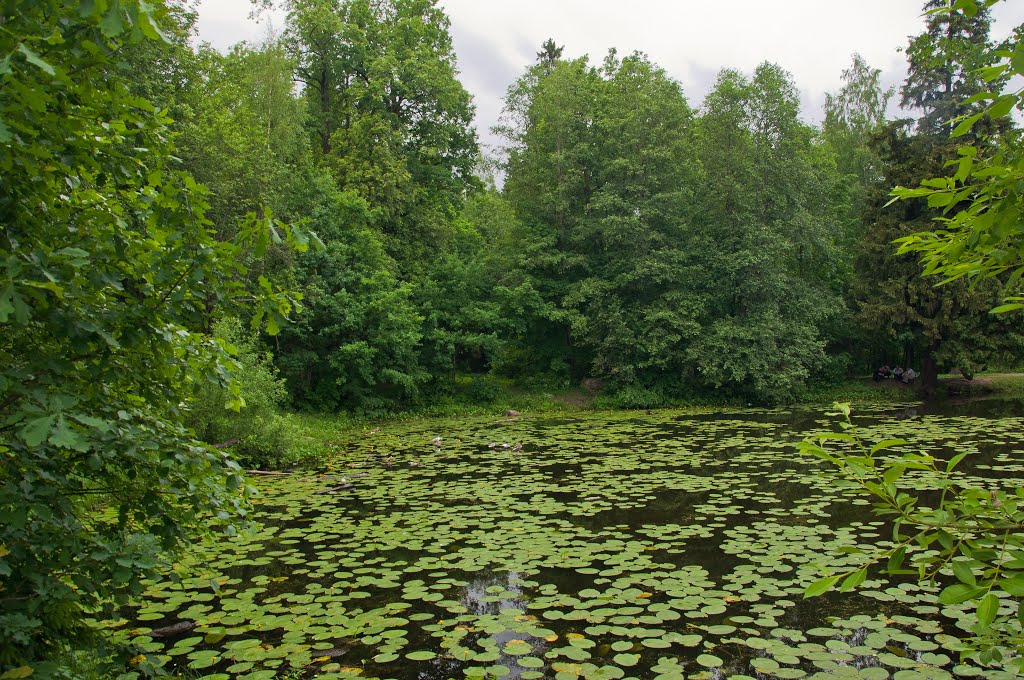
{"type": "Point", "coordinates": [314, 438]}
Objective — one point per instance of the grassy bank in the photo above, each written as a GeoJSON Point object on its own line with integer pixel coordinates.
{"type": "Point", "coordinates": [314, 438]}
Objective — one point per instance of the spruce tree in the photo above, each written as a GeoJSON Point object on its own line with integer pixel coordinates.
{"type": "Point", "coordinates": [947, 327]}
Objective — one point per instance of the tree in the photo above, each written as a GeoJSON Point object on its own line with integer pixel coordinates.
{"type": "Point", "coordinates": [355, 345]}
{"type": "Point", "coordinates": [243, 136]}
{"type": "Point", "coordinates": [600, 171]}
{"type": "Point", "coordinates": [946, 63]}
{"type": "Point", "coordinates": [982, 203]}
{"type": "Point", "coordinates": [851, 115]}
{"type": "Point", "coordinates": [978, 533]}
{"type": "Point", "coordinates": [392, 118]}
{"type": "Point", "coordinates": [549, 164]}
{"type": "Point", "coordinates": [943, 328]}
{"type": "Point", "coordinates": [765, 239]}
{"type": "Point", "coordinates": [634, 306]}
{"type": "Point", "coordinates": [107, 267]}
{"type": "Point", "coordinates": [550, 54]}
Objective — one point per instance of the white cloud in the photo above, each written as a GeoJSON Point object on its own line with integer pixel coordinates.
{"type": "Point", "coordinates": [222, 23]}
{"type": "Point", "coordinates": [812, 39]}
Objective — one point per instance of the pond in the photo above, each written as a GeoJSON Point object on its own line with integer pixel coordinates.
{"type": "Point", "coordinates": [602, 545]}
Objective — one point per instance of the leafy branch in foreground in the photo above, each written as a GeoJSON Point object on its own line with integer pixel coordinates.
{"type": "Point", "coordinates": [973, 534]}
{"type": "Point", "coordinates": [981, 232]}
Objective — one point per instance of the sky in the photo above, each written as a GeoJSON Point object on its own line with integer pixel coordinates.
{"type": "Point", "coordinates": [496, 40]}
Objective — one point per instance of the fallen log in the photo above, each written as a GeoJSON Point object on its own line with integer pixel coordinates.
{"type": "Point", "coordinates": [334, 489]}
{"type": "Point", "coordinates": [331, 653]}
{"type": "Point", "coordinates": [167, 631]}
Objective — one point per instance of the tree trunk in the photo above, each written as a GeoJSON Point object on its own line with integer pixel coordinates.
{"type": "Point", "coordinates": [929, 376]}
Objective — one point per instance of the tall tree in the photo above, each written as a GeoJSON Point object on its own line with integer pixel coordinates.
{"type": "Point", "coordinates": [851, 115]}
{"type": "Point", "coordinates": [634, 305]}
{"type": "Point", "coordinates": [765, 238]}
{"type": "Point", "coordinates": [947, 327]}
{"type": "Point", "coordinates": [946, 60]}
{"type": "Point", "coordinates": [550, 54]}
{"type": "Point", "coordinates": [550, 168]}
{"type": "Point", "coordinates": [244, 134]}
{"type": "Point", "coordinates": [392, 118]}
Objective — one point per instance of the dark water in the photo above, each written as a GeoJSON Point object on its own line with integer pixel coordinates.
{"type": "Point", "coordinates": [608, 545]}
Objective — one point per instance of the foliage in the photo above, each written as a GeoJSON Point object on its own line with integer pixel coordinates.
{"type": "Point", "coordinates": [355, 345]}
{"type": "Point", "coordinates": [242, 129]}
{"type": "Point", "coordinates": [851, 116]}
{"type": "Point", "coordinates": [936, 328]}
{"type": "Point", "coordinates": [109, 271]}
{"type": "Point", "coordinates": [973, 531]}
{"type": "Point", "coordinates": [947, 64]}
{"type": "Point", "coordinates": [767, 242]}
{"type": "Point", "coordinates": [257, 434]}
{"type": "Point", "coordinates": [653, 270]}
{"type": "Point", "coordinates": [391, 117]}
{"type": "Point", "coordinates": [980, 235]}
{"type": "Point", "coordinates": [939, 328]}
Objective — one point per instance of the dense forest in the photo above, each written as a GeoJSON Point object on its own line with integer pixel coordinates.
{"type": "Point", "coordinates": [664, 247]}
{"type": "Point", "coordinates": [195, 241]}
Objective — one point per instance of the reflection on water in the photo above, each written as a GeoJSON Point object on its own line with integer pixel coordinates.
{"type": "Point", "coordinates": [612, 545]}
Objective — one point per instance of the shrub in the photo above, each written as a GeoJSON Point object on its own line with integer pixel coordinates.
{"type": "Point", "coordinates": [256, 432]}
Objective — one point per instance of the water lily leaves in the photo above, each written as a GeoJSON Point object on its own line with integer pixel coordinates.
{"type": "Point", "coordinates": [203, 659]}
{"type": "Point", "coordinates": [720, 629]}
{"type": "Point", "coordinates": [709, 661]}
{"type": "Point", "coordinates": [764, 665]}
{"type": "Point", "coordinates": [517, 648]}
{"type": "Point", "coordinates": [626, 659]}
{"type": "Point", "coordinates": [621, 537]}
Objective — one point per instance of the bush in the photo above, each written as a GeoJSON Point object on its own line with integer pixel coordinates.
{"type": "Point", "coordinates": [634, 397]}
{"type": "Point", "coordinates": [478, 389]}
{"type": "Point", "coordinates": [257, 432]}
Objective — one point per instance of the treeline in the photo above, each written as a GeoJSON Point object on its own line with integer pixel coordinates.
{"type": "Point", "coordinates": [667, 249]}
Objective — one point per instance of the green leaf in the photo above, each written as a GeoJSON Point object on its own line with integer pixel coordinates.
{"type": "Point", "coordinates": [37, 430]}
{"type": "Point", "coordinates": [955, 460]}
{"type": "Point", "coordinates": [1012, 307]}
{"type": "Point", "coordinates": [965, 125]}
{"type": "Point", "coordinates": [987, 610]}
{"type": "Point", "coordinates": [854, 580]}
{"type": "Point", "coordinates": [1013, 585]}
{"type": "Point", "coordinates": [113, 23]}
{"type": "Point", "coordinates": [960, 592]}
{"type": "Point", "coordinates": [887, 444]}
{"type": "Point", "coordinates": [819, 587]}
{"type": "Point", "coordinates": [896, 559]}
{"type": "Point", "coordinates": [1002, 107]}
{"type": "Point", "coordinates": [150, 28]}
{"type": "Point", "coordinates": [34, 59]}
{"type": "Point", "coordinates": [65, 437]}
{"type": "Point", "coordinates": [964, 573]}
{"type": "Point", "coordinates": [6, 303]}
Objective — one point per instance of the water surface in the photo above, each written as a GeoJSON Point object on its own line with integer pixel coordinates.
{"type": "Point", "coordinates": [604, 545]}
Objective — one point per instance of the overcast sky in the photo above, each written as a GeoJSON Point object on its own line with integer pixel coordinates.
{"type": "Point", "coordinates": [812, 39]}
